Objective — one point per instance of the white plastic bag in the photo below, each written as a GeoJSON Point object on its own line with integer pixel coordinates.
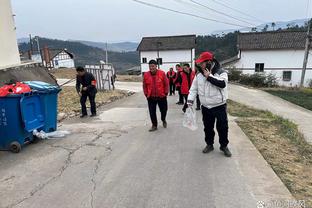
{"type": "Point", "coordinates": [189, 120]}
{"type": "Point", "coordinates": [57, 134]}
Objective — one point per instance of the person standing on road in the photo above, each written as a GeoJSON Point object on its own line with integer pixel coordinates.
{"type": "Point", "coordinates": [178, 84]}
{"type": "Point", "coordinates": [211, 86]}
{"type": "Point", "coordinates": [156, 87]}
{"type": "Point", "coordinates": [88, 83]}
{"type": "Point", "coordinates": [185, 79]}
{"type": "Point", "coordinates": [171, 75]}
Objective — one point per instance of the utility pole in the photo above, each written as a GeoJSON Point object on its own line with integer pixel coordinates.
{"type": "Point", "coordinates": [106, 54]}
{"type": "Point", "coordinates": [37, 39]}
{"type": "Point", "coordinates": [306, 53]}
{"type": "Point", "coordinates": [31, 44]}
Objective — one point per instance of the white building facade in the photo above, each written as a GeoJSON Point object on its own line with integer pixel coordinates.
{"type": "Point", "coordinates": [167, 51]}
{"type": "Point", "coordinates": [9, 54]}
{"type": "Point", "coordinates": [58, 58]}
{"type": "Point", "coordinates": [279, 53]}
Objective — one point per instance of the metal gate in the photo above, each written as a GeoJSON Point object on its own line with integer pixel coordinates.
{"type": "Point", "coordinates": [104, 75]}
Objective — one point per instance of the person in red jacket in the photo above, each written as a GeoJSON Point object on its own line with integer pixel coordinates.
{"type": "Point", "coordinates": [178, 84]}
{"type": "Point", "coordinates": [185, 79]}
{"type": "Point", "coordinates": [155, 87]}
{"type": "Point", "coordinates": [171, 75]}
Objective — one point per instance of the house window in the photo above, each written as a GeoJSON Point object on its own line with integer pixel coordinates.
{"type": "Point", "coordinates": [159, 61]}
{"type": "Point", "coordinates": [259, 67]}
{"type": "Point", "coordinates": [144, 60]}
{"type": "Point", "coordinates": [286, 75]}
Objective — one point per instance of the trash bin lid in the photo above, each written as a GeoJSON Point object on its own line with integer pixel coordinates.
{"type": "Point", "coordinates": [32, 113]}
{"type": "Point", "coordinates": [42, 86]}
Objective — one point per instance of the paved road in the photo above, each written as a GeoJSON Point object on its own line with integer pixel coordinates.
{"type": "Point", "coordinates": [112, 161]}
{"type": "Point", "coordinates": [265, 101]}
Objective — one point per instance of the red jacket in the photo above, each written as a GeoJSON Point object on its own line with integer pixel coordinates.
{"type": "Point", "coordinates": [171, 76]}
{"type": "Point", "coordinates": [155, 85]}
{"type": "Point", "coordinates": [186, 82]}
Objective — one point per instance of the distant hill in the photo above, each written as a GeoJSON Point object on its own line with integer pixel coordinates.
{"type": "Point", "coordinates": [116, 47]}
{"type": "Point", "coordinates": [85, 54]}
{"type": "Point", "coordinates": [278, 25]}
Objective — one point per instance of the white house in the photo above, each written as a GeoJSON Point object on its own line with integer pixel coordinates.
{"type": "Point", "coordinates": [9, 55]}
{"type": "Point", "coordinates": [58, 58]}
{"type": "Point", "coordinates": [280, 53]}
{"type": "Point", "coordinates": [167, 50]}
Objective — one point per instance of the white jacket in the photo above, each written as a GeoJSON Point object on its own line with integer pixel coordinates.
{"type": "Point", "coordinates": [210, 95]}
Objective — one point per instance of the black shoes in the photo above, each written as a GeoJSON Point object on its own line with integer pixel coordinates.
{"type": "Point", "coordinates": [153, 128]}
{"type": "Point", "coordinates": [165, 124]}
{"type": "Point", "coordinates": [93, 115]}
{"type": "Point", "coordinates": [198, 109]}
{"type": "Point", "coordinates": [226, 151]}
{"type": "Point", "coordinates": [83, 115]}
{"type": "Point", "coordinates": [208, 149]}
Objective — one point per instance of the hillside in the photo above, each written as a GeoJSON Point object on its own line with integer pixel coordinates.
{"type": "Point", "coordinates": [117, 47]}
{"type": "Point", "coordinates": [85, 54]}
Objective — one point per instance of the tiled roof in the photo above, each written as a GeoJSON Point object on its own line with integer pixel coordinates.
{"type": "Point", "coordinates": [272, 40]}
{"type": "Point", "coordinates": [167, 43]}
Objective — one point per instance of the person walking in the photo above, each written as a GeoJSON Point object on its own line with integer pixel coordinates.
{"type": "Point", "coordinates": [88, 90]}
{"type": "Point", "coordinates": [185, 79]}
{"type": "Point", "coordinates": [171, 75]}
{"type": "Point", "coordinates": [211, 86]}
{"type": "Point", "coordinates": [179, 69]}
{"type": "Point", "coordinates": [156, 87]}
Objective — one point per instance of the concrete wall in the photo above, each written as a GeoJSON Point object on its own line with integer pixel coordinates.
{"type": "Point", "coordinates": [9, 55]}
{"type": "Point", "coordinates": [275, 62]}
{"type": "Point", "coordinates": [68, 63]}
{"type": "Point", "coordinates": [169, 58]}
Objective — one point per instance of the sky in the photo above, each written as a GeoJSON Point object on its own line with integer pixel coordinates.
{"type": "Point", "coordinates": [127, 20]}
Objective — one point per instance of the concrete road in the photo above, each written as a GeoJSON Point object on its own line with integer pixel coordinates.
{"type": "Point", "coordinates": [113, 161]}
{"type": "Point", "coordinates": [265, 101]}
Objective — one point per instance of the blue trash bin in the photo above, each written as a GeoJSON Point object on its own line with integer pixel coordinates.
{"type": "Point", "coordinates": [49, 97]}
{"type": "Point", "coordinates": [20, 115]}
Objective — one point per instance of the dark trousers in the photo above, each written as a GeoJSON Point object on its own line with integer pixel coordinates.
{"type": "Point", "coordinates": [163, 107]}
{"type": "Point", "coordinates": [197, 102]}
{"type": "Point", "coordinates": [184, 98]}
{"type": "Point", "coordinates": [180, 95]}
{"type": "Point", "coordinates": [209, 117]}
{"type": "Point", "coordinates": [172, 88]}
{"type": "Point", "coordinates": [83, 100]}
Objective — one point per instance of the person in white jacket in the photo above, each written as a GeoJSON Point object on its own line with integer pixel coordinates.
{"type": "Point", "coordinates": [211, 86]}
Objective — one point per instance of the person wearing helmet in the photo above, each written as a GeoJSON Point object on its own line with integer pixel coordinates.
{"type": "Point", "coordinates": [211, 85]}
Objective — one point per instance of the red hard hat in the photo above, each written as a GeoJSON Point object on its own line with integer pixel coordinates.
{"type": "Point", "coordinates": [205, 56]}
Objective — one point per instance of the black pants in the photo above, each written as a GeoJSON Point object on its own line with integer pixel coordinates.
{"type": "Point", "coordinates": [83, 100]}
{"type": "Point", "coordinates": [163, 107]}
{"type": "Point", "coordinates": [184, 97]}
{"type": "Point", "coordinates": [197, 102]}
{"type": "Point", "coordinates": [180, 95]}
{"type": "Point", "coordinates": [172, 88]}
{"type": "Point", "coordinates": [209, 117]}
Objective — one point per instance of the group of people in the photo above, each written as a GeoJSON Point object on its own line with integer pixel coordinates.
{"type": "Point", "coordinates": [207, 84]}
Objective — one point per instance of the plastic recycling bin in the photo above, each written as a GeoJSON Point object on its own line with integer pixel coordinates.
{"type": "Point", "coordinates": [49, 97]}
{"type": "Point", "coordinates": [19, 116]}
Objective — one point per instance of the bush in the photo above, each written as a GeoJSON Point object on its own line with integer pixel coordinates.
{"type": "Point", "coordinates": [310, 83]}
{"type": "Point", "coordinates": [234, 74]}
{"type": "Point", "coordinates": [258, 80]}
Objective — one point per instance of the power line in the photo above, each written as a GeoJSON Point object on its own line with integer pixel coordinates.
{"type": "Point", "coordinates": [186, 13]}
{"type": "Point", "coordinates": [248, 15]}
{"type": "Point", "coordinates": [214, 10]}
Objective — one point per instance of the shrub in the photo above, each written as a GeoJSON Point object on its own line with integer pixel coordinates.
{"type": "Point", "coordinates": [234, 74]}
{"type": "Point", "coordinates": [258, 80]}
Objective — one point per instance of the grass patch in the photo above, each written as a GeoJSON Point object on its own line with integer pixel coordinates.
{"type": "Point", "coordinates": [281, 144]}
{"type": "Point", "coordinates": [301, 97]}
{"type": "Point", "coordinates": [65, 73]}
{"type": "Point", "coordinates": [69, 101]}
{"type": "Point", "coordinates": [129, 78]}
